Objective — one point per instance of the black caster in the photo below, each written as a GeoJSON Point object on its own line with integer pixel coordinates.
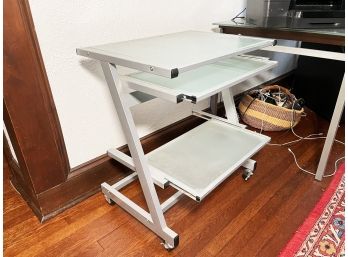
{"type": "Point", "coordinates": [170, 247]}
{"type": "Point", "coordinates": [247, 173]}
{"type": "Point", "coordinates": [109, 201]}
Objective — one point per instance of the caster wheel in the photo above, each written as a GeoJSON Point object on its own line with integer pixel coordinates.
{"type": "Point", "coordinates": [167, 246]}
{"type": "Point", "coordinates": [247, 174]}
{"type": "Point", "coordinates": [111, 202]}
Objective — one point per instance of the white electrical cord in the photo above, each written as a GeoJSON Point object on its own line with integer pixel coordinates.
{"type": "Point", "coordinates": [309, 137]}
{"type": "Point", "coordinates": [311, 173]}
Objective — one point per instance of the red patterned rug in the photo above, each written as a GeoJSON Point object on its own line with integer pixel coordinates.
{"type": "Point", "coordinates": [322, 233]}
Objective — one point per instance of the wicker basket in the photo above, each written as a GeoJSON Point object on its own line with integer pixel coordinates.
{"type": "Point", "coordinates": [257, 113]}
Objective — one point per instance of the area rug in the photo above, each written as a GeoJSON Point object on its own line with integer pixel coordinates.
{"type": "Point", "coordinates": [322, 233]}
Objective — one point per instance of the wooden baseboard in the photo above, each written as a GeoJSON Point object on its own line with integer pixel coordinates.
{"type": "Point", "coordinates": [18, 181]}
{"type": "Point", "coordinates": [85, 180]}
{"type": "Point", "coordinates": [29, 198]}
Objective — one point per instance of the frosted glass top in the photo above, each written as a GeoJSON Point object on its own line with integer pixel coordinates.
{"type": "Point", "coordinates": [202, 158]}
{"type": "Point", "coordinates": [177, 50]}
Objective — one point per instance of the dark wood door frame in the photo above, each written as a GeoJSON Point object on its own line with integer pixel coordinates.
{"type": "Point", "coordinates": [30, 114]}
{"type": "Point", "coordinates": [42, 175]}
{"type": "Point", "coordinates": [29, 111]}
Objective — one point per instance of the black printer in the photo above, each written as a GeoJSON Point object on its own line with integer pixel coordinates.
{"type": "Point", "coordinates": [296, 13]}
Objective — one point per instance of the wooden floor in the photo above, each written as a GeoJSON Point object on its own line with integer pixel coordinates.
{"type": "Point", "coordinates": [253, 218]}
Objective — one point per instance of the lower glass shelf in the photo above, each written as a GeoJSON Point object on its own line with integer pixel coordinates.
{"type": "Point", "coordinates": [199, 160]}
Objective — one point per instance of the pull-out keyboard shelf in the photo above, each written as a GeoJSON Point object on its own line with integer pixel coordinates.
{"type": "Point", "coordinates": [201, 83]}
{"type": "Point", "coordinates": [199, 160]}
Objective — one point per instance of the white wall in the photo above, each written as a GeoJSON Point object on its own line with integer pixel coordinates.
{"type": "Point", "coordinates": [84, 107]}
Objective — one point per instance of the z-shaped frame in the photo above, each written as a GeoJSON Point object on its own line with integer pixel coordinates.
{"type": "Point", "coordinates": [154, 219]}
{"type": "Point", "coordinates": [147, 174]}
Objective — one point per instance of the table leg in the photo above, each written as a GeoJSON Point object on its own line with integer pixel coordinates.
{"type": "Point", "coordinates": [331, 134]}
{"type": "Point", "coordinates": [230, 107]}
{"type": "Point", "coordinates": [154, 219]}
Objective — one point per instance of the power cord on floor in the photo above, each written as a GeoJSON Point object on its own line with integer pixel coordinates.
{"type": "Point", "coordinates": [309, 137]}
{"type": "Point", "coordinates": [300, 138]}
{"type": "Point", "coordinates": [312, 173]}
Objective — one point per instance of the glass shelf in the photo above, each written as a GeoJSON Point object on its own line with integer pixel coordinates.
{"type": "Point", "coordinates": [172, 54]}
{"type": "Point", "coordinates": [199, 160]}
{"type": "Point", "coordinates": [202, 82]}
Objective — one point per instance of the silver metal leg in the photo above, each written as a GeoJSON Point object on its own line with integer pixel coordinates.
{"type": "Point", "coordinates": [232, 116]}
{"type": "Point", "coordinates": [339, 103]}
{"type": "Point", "coordinates": [306, 52]}
{"type": "Point", "coordinates": [155, 218]}
{"type": "Point", "coordinates": [208, 116]}
{"type": "Point", "coordinates": [171, 201]}
{"type": "Point", "coordinates": [331, 134]}
{"type": "Point", "coordinates": [249, 168]}
{"type": "Point", "coordinates": [249, 164]}
{"type": "Point", "coordinates": [125, 181]}
{"type": "Point", "coordinates": [230, 107]}
{"type": "Point", "coordinates": [128, 162]}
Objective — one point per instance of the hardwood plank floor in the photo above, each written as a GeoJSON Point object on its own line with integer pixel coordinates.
{"type": "Point", "coordinates": [244, 219]}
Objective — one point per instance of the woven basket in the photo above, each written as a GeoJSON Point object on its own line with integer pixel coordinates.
{"type": "Point", "coordinates": [257, 113]}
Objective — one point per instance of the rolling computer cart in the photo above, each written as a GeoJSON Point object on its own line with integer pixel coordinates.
{"type": "Point", "coordinates": [186, 66]}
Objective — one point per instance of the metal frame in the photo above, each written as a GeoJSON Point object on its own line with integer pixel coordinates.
{"type": "Point", "coordinates": [336, 116]}
{"type": "Point", "coordinates": [128, 162]}
{"type": "Point", "coordinates": [306, 52]}
{"type": "Point", "coordinates": [228, 99]}
{"type": "Point", "coordinates": [331, 134]}
{"type": "Point", "coordinates": [149, 175]}
{"type": "Point", "coordinates": [208, 116]}
{"type": "Point", "coordinates": [154, 219]}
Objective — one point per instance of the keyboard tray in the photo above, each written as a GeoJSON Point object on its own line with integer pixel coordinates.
{"type": "Point", "coordinates": [199, 160]}
{"type": "Point", "coordinates": [202, 82]}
